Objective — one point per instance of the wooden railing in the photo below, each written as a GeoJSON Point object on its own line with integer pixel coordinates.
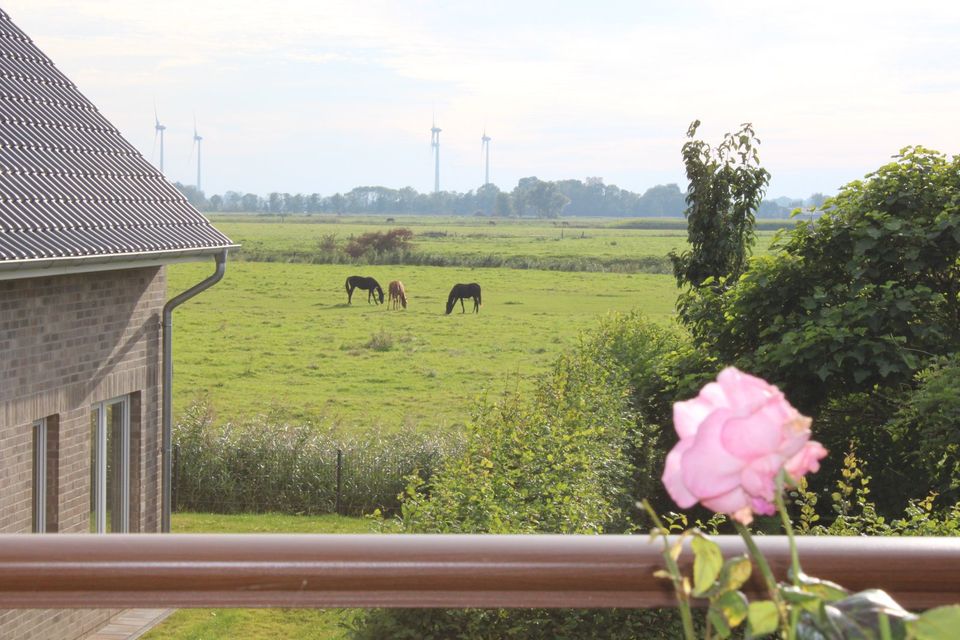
{"type": "Point", "coordinates": [111, 571]}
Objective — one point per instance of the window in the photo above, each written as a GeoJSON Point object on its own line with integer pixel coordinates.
{"type": "Point", "coordinates": [40, 476]}
{"type": "Point", "coordinates": [46, 476]}
{"type": "Point", "coordinates": [110, 445]}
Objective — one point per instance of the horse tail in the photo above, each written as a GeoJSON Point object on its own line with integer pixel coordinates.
{"type": "Point", "coordinates": [479, 301]}
{"type": "Point", "coordinates": [346, 285]}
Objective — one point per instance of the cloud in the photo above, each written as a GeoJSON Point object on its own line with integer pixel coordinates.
{"type": "Point", "coordinates": [563, 88]}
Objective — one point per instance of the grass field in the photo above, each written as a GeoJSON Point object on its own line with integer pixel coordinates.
{"type": "Point", "coordinates": [257, 624]}
{"type": "Point", "coordinates": [274, 335]}
{"type": "Point", "coordinates": [596, 238]}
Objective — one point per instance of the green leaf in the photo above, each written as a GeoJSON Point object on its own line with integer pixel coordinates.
{"type": "Point", "coordinates": [941, 623]}
{"type": "Point", "coordinates": [762, 618]}
{"type": "Point", "coordinates": [735, 572]}
{"type": "Point", "coordinates": [808, 601]}
{"type": "Point", "coordinates": [733, 606]}
{"type": "Point", "coordinates": [721, 628]}
{"type": "Point", "coordinates": [824, 589]}
{"type": "Point", "coordinates": [707, 563]}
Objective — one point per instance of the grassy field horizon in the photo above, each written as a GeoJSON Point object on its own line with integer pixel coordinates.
{"type": "Point", "coordinates": [606, 241]}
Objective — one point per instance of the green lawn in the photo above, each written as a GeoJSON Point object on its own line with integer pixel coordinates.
{"type": "Point", "coordinates": [257, 624]}
{"type": "Point", "coordinates": [281, 335]}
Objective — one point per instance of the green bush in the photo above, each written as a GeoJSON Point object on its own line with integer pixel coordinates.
{"type": "Point", "coordinates": [556, 462]}
{"type": "Point", "coordinates": [854, 316]}
{"type": "Point", "coordinates": [856, 514]}
{"type": "Point", "coordinates": [377, 243]}
{"type": "Point", "coordinates": [267, 464]}
{"type": "Point", "coordinates": [657, 366]}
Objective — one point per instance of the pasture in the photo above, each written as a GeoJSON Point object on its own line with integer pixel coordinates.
{"type": "Point", "coordinates": [297, 238]}
{"type": "Point", "coordinates": [274, 336]}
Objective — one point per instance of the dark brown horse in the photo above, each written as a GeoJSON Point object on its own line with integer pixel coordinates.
{"type": "Point", "coordinates": [371, 286]}
{"type": "Point", "coordinates": [461, 291]}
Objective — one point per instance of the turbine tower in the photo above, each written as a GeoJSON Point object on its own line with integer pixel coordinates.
{"type": "Point", "coordinates": [435, 143]}
{"type": "Point", "coordinates": [197, 139]}
{"type": "Point", "coordinates": [158, 131]}
{"type": "Point", "coordinates": [485, 147]}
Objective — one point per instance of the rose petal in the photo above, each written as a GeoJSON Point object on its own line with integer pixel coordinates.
{"type": "Point", "coordinates": [751, 436]}
{"type": "Point", "coordinates": [759, 477]}
{"type": "Point", "coordinates": [805, 461]}
{"type": "Point", "coordinates": [688, 415]}
{"type": "Point", "coordinates": [673, 479]}
{"type": "Point", "coordinates": [707, 468]}
{"type": "Point", "coordinates": [714, 396]}
{"type": "Point", "coordinates": [729, 502]}
{"type": "Point", "coordinates": [743, 391]}
{"type": "Point", "coordinates": [759, 505]}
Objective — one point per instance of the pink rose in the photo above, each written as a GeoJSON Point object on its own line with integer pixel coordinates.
{"type": "Point", "coordinates": [735, 437]}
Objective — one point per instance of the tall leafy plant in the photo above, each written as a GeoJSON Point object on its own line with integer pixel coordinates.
{"type": "Point", "coordinates": [727, 184]}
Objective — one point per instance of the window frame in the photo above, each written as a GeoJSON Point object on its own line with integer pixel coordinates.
{"type": "Point", "coordinates": [39, 497]}
{"type": "Point", "coordinates": [99, 461]}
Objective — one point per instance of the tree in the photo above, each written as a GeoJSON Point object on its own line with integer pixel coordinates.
{"type": "Point", "coordinates": [849, 308]}
{"type": "Point", "coordinates": [542, 197]}
{"type": "Point", "coordinates": [661, 200]}
{"type": "Point", "coordinates": [250, 202]}
{"type": "Point", "coordinates": [192, 194]}
{"type": "Point", "coordinates": [726, 187]}
{"type": "Point", "coordinates": [502, 206]}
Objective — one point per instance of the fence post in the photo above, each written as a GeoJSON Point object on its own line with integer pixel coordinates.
{"type": "Point", "coordinates": [339, 481]}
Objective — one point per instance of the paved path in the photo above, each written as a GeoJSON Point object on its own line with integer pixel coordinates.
{"type": "Point", "coordinates": [129, 624]}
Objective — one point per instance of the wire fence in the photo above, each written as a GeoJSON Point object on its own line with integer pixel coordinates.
{"type": "Point", "coordinates": [258, 468]}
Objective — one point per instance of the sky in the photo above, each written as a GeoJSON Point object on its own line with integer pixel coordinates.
{"type": "Point", "coordinates": [320, 96]}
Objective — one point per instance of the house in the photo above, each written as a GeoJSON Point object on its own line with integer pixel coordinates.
{"type": "Point", "coordinates": [87, 227]}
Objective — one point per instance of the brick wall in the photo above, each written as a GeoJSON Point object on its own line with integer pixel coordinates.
{"type": "Point", "coordinates": [67, 342]}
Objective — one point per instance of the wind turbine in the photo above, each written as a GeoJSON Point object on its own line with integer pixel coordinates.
{"type": "Point", "coordinates": [435, 143]}
{"type": "Point", "coordinates": [158, 130]}
{"type": "Point", "coordinates": [485, 148]}
{"type": "Point", "coordinates": [197, 140]}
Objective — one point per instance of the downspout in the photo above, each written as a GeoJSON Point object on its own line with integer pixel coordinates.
{"type": "Point", "coordinates": [168, 308]}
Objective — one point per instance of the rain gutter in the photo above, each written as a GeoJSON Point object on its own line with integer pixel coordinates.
{"type": "Point", "coordinates": [221, 266]}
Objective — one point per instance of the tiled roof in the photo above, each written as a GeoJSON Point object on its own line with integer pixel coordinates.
{"type": "Point", "coordinates": [70, 185]}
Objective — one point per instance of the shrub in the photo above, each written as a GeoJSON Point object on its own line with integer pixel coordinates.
{"type": "Point", "coordinates": [267, 464]}
{"type": "Point", "coordinates": [377, 242]}
{"type": "Point", "coordinates": [855, 513]}
{"type": "Point", "coordinates": [552, 463]}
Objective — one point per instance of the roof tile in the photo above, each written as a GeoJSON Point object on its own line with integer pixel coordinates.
{"type": "Point", "coordinates": [70, 184]}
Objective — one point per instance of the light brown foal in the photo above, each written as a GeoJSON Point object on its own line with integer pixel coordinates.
{"type": "Point", "coordinates": [398, 297]}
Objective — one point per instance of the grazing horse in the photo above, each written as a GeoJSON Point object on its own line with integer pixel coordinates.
{"type": "Point", "coordinates": [398, 296]}
{"type": "Point", "coordinates": [461, 291]}
{"type": "Point", "coordinates": [371, 286]}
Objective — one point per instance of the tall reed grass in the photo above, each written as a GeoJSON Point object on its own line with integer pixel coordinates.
{"type": "Point", "coordinates": [267, 464]}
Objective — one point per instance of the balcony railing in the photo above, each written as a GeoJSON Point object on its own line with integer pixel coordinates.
{"type": "Point", "coordinates": [111, 571]}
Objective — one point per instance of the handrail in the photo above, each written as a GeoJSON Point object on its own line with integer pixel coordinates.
{"type": "Point", "coordinates": [154, 570]}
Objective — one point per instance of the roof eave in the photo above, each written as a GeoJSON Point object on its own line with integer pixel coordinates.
{"type": "Point", "coordinates": [47, 267]}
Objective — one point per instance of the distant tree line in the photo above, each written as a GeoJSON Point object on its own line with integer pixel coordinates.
{"type": "Point", "coordinates": [531, 197]}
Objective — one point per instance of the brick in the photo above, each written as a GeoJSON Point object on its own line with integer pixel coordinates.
{"type": "Point", "coordinates": [65, 343]}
